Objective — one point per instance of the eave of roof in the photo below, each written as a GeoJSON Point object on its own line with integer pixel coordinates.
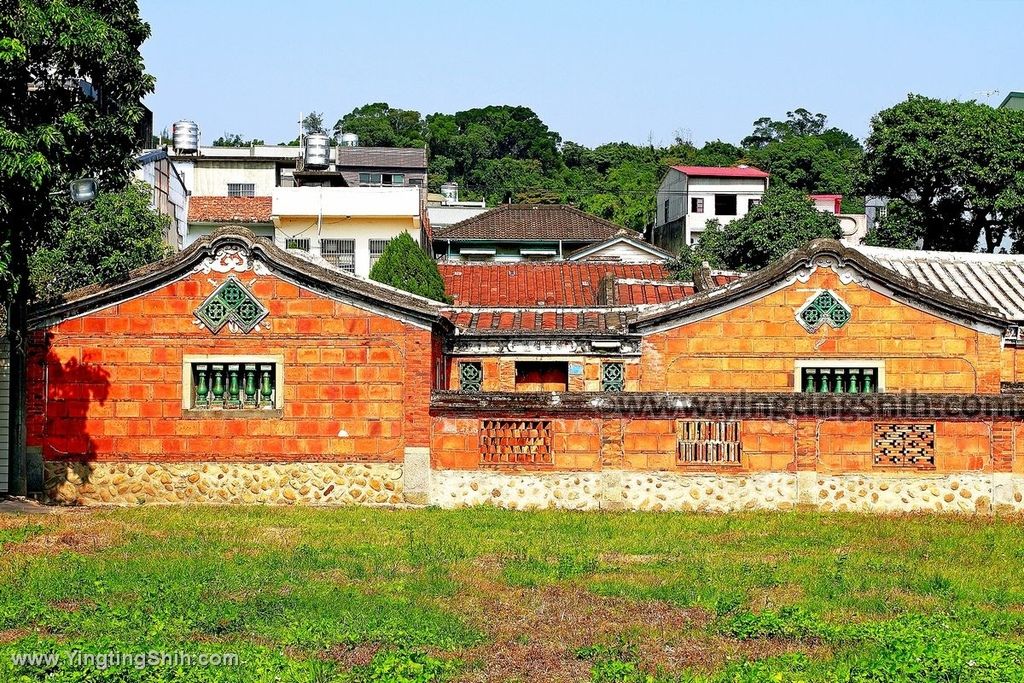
{"type": "Point", "coordinates": [525, 222]}
{"type": "Point", "coordinates": [923, 295]}
{"type": "Point", "coordinates": [632, 239]}
{"type": "Point", "coordinates": [722, 171]}
{"type": "Point", "coordinates": [297, 270]}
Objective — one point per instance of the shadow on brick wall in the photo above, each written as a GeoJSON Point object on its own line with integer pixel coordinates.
{"type": "Point", "coordinates": [65, 394]}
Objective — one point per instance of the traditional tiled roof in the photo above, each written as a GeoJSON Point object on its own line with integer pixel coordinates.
{"type": "Point", "coordinates": [988, 279]}
{"type": "Point", "coordinates": [722, 171]}
{"type": "Point", "coordinates": [634, 292]}
{"type": "Point", "coordinates": [548, 321]}
{"type": "Point", "coordinates": [204, 209]}
{"type": "Point", "coordinates": [526, 222]}
{"type": "Point", "coordinates": [560, 283]}
{"type": "Point", "coordinates": [628, 237]}
{"type": "Point", "coordinates": [830, 254]}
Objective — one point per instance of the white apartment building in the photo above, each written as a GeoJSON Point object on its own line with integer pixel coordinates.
{"type": "Point", "coordinates": [689, 196]}
{"type": "Point", "coordinates": [346, 226]}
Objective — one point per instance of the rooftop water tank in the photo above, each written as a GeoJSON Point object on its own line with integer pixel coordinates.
{"type": "Point", "coordinates": [318, 151]}
{"type": "Point", "coordinates": [450, 191]}
{"type": "Point", "coordinates": [349, 140]}
{"type": "Point", "coordinates": [186, 137]}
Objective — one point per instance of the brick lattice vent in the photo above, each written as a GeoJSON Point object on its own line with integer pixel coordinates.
{"type": "Point", "coordinates": [515, 442]}
{"type": "Point", "coordinates": [708, 442]}
{"type": "Point", "coordinates": [909, 445]}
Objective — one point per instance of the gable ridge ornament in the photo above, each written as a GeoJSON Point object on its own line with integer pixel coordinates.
{"type": "Point", "coordinates": [824, 307]}
{"type": "Point", "coordinates": [231, 259]}
{"type": "Point", "coordinates": [231, 304]}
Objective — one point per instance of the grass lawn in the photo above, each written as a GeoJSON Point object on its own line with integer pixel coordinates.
{"type": "Point", "coordinates": [490, 595]}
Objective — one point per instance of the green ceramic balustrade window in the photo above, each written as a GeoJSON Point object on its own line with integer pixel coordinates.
{"type": "Point", "coordinates": [613, 377]}
{"type": "Point", "coordinates": [824, 308]}
{"type": "Point", "coordinates": [471, 377]}
{"type": "Point", "coordinates": [234, 386]}
{"type": "Point", "coordinates": [231, 303]}
{"type": "Point", "coordinates": [839, 380]}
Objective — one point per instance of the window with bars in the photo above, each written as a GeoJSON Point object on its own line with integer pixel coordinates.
{"type": "Point", "coordinates": [708, 442]}
{"type": "Point", "coordinates": [233, 386]}
{"type": "Point", "coordinates": [241, 189]}
{"type": "Point", "coordinates": [515, 442]}
{"type": "Point", "coordinates": [376, 249]}
{"type": "Point", "coordinates": [697, 205]}
{"type": "Point", "coordinates": [340, 253]}
{"type": "Point", "coordinates": [471, 377]}
{"type": "Point", "coordinates": [824, 308]}
{"type": "Point", "coordinates": [613, 377]}
{"type": "Point", "coordinates": [302, 244]}
{"type": "Point", "coordinates": [839, 380]}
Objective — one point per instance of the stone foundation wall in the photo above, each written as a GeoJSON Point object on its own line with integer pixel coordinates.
{"type": "Point", "coordinates": [245, 483]}
{"type": "Point", "coordinates": [334, 484]}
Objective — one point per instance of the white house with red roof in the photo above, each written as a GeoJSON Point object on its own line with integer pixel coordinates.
{"type": "Point", "coordinates": [689, 196]}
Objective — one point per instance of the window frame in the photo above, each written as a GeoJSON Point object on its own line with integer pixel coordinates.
{"type": "Point", "coordinates": [237, 192]}
{"type": "Point", "coordinates": [188, 408]}
{"type": "Point", "coordinates": [299, 241]}
{"type": "Point", "coordinates": [480, 369]}
{"type": "Point", "coordinates": [339, 241]}
{"type": "Point", "coordinates": [376, 241]}
{"type": "Point", "coordinates": [810, 363]}
{"type": "Point", "coordinates": [605, 381]}
{"type": "Point", "coordinates": [696, 205]}
{"type": "Point", "coordinates": [735, 203]}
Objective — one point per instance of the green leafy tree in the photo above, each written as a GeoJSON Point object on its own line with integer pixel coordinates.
{"type": "Point", "coordinates": [380, 125]}
{"type": "Point", "coordinates": [101, 242]}
{"type": "Point", "coordinates": [235, 140]}
{"type": "Point", "coordinates": [785, 220]}
{"type": "Point", "coordinates": [901, 228]}
{"type": "Point", "coordinates": [313, 122]}
{"type": "Point", "coordinates": [406, 266]}
{"type": "Point", "coordinates": [956, 166]}
{"type": "Point", "coordinates": [71, 85]}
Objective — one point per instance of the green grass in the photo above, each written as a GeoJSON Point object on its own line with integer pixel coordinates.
{"type": "Point", "coordinates": [377, 595]}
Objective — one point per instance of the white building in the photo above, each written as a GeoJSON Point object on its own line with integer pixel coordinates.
{"type": "Point", "coordinates": [853, 225]}
{"type": "Point", "coordinates": [346, 226]}
{"type": "Point", "coordinates": [170, 197]}
{"type": "Point", "coordinates": [689, 196]}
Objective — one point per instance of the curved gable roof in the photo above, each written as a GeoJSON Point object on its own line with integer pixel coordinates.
{"type": "Point", "coordinates": [821, 253]}
{"type": "Point", "coordinates": [330, 283]}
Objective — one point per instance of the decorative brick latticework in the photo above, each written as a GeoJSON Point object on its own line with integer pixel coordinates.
{"type": "Point", "coordinates": [516, 442]}
{"type": "Point", "coordinates": [904, 445]}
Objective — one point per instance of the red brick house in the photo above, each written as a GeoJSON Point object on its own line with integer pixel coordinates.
{"type": "Point", "coordinates": [836, 378]}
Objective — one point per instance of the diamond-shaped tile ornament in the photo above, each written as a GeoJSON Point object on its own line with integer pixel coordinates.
{"type": "Point", "coordinates": [825, 307]}
{"type": "Point", "coordinates": [231, 303]}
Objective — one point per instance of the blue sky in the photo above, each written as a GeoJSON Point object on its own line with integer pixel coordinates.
{"type": "Point", "coordinates": [594, 71]}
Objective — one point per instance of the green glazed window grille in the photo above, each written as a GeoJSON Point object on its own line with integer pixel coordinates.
{"type": "Point", "coordinates": [231, 303]}
{"type": "Point", "coordinates": [471, 377]}
{"type": "Point", "coordinates": [839, 380]}
{"type": "Point", "coordinates": [824, 308]}
{"type": "Point", "coordinates": [613, 377]}
{"type": "Point", "coordinates": [227, 386]}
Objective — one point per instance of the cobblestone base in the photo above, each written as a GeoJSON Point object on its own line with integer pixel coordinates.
{"type": "Point", "coordinates": [273, 484]}
{"type": "Point", "coordinates": [382, 484]}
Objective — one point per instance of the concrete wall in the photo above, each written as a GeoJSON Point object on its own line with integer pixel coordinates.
{"type": "Point", "coordinates": [362, 230]}
{"type": "Point", "coordinates": [211, 178]}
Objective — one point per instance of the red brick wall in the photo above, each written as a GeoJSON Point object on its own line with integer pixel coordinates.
{"type": "Point", "coordinates": [781, 445]}
{"type": "Point", "coordinates": [754, 346]}
{"type": "Point", "coordinates": [109, 387]}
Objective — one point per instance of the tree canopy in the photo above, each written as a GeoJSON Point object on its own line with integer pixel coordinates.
{"type": "Point", "coordinates": [954, 166]}
{"type": "Point", "coordinates": [404, 265]}
{"type": "Point", "coordinates": [101, 242]}
{"type": "Point", "coordinates": [785, 219]}
{"type": "Point", "coordinates": [235, 140]}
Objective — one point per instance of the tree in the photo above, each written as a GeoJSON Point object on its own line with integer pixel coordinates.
{"type": "Point", "coordinates": [901, 228]}
{"type": "Point", "coordinates": [313, 122]}
{"type": "Point", "coordinates": [101, 242]}
{"type": "Point", "coordinates": [406, 266]}
{"type": "Point", "coordinates": [380, 125]}
{"type": "Point", "coordinates": [71, 84]}
{"type": "Point", "coordinates": [955, 166]}
{"type": "Point", "coordinates": [785, 220]}
{"type": "Point", "coordinates": [235, 140]}
{"type": "Point", "coordinates": [799, 122]}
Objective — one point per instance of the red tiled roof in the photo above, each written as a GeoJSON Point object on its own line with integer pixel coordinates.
{"type": "Point", "coordinates": [722, 171]}
{"type": "Point", "coordinates": [631, 292]}
{"type": "Point", "coordinates": [540, 320]}
{"type": "Point", "coordinates": [229, 209]}
{"type": "Point", "coordinates": [531, 222]}
{"type": "Point", "coordinates": [532, 284]}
